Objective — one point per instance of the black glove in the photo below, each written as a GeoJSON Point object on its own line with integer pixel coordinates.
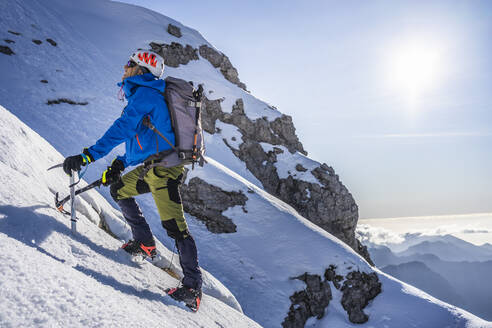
{"type": "Point", "coordinates": [76, 161]}
{"type": "Point", "coordinates": [113, 172]}
{"type": "Point", "coordinates": [73, 163]}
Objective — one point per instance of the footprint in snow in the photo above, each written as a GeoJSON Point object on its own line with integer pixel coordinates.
{"type": "Point", "coordinates": [78, 252]}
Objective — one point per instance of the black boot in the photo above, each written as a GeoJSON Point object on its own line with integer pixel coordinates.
{"type": "Point", "coordinates": [137, 248]}
{"type": "Point", "coordinates": [191, 297]}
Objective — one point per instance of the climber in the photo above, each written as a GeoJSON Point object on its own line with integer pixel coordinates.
{"type": "Point", "coordinates": [144, 89]}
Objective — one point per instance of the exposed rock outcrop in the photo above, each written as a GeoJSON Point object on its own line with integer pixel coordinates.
{"type": "Point", "coordinates": [65, 101]}
{"type": "Point", "coordinates": [207, 202]}
{"type": "Point", "coordinates": [300, 168]}
{"type": "Point", "coordinates": [211, 112]}
{"type": "Point", "coordinates": [331, 275]}
{"type": "Point", "coordinates": [52, 42]}
{"type": "Point", "coordinates": [174, 30]}
{"type": "Point", "coordinates": [175, 54]}
{"type": "Point", "coordinates": [221, 61]}
{"type": "Point", "coordinates": [358, 289]}
{"type": "Point", "coordinates": [307, 303]}
{"type": "Point", "coordinates": [6, 50]}
{"type": "Point", "coordinates": [280, 131]}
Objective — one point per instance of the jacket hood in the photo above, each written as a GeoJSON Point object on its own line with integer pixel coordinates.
{"type": "Point", "coordinates": [131, 83]}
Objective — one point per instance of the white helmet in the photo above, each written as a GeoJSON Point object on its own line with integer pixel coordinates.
{"type": "Point", "coordinates": [150, 60]}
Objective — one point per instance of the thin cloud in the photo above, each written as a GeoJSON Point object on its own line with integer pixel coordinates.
{"type": "Point", "coordinates": [476, 231]}
{"type": "Point", "coordinates": [377, 235]}
{"type": "Point", "coordinates": [373, 236]}
{"type": "Point", "coordinates": [427, 135]}
{"type": "Point", "coordinates": [431, 217]}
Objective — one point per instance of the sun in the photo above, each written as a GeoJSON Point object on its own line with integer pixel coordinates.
{"type": "Point", "coordinates": [414, 69]}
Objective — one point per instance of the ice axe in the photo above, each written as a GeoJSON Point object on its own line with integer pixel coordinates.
{"type": "Point", "coordinates": [59, 203]}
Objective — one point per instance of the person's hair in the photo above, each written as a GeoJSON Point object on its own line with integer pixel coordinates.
{"type": "Point", "coordinates": [143, 70]}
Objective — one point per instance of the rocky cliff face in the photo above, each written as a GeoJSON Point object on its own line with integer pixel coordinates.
{"type": "Point", "coordinates": [175, 54]}
{"type": "Point", "coordinates": [310, 302]}
{"type": "Point", "coordinates": [207, 202]}
{"type": "Point", "coordinates": [221, 61]}
{"type": "Point", "coordinates": [357, 290]}
{"type": "Point", "coordinates": [326, 202]}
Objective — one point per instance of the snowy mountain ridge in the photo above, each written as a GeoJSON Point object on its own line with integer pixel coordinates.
{"type": "Point", "coordinates": [272, 244]}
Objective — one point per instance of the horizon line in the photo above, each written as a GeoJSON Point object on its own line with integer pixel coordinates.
{"type": "Point", "coordinates": [429, 216]}
{"type": "Point", "coordinates": [428, 135]}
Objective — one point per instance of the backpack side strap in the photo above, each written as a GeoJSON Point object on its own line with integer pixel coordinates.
{"type": "Point", "coordinates": [146, 121]}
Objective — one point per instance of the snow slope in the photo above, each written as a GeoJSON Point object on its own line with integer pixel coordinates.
{"type": "Point", "coordinates": [272, 244]}
{"type": "Point", "coordinates": [51, 278]}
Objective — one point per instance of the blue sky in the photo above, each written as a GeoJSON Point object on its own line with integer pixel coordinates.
{"type": "Point", "coordinates": [393, 94]}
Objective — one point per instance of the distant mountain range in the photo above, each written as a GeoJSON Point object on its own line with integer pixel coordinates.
{"type": "Point", "coordinates": [434, 283]}
{"type": "Point", "coordinates": [447, 248]}
{"type": "Point", "coordinates": [446, 267]}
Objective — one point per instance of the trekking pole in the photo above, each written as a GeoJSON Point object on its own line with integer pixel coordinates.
{"type": "Point", "coordinates": [73, 217]}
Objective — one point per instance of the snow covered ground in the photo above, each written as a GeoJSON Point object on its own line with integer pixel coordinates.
{"type": "Point", "coordinates": [51, 278]}
{"type": "Point", "coordinates": [272, 243]}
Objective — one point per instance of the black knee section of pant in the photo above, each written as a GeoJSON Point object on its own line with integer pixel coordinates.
{"type": "Point", "coordinates": [173, 231]}
{"type": "Point", "coordinates": [113, 189]}
{"type": "Point", "coordinates": [173, 189]}
{"type": "Point", "coordinates": [142, 187]}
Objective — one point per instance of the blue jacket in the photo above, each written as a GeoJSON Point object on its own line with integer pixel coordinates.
{"type": "Point", "coordinates": [143, 93]}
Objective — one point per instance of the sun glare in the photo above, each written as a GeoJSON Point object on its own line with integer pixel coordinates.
{"type": "Point", "coordinates": [414, 70]}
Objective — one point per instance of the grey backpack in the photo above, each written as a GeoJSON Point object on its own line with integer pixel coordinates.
{"type": "Point", "coordinates": [184, 104]}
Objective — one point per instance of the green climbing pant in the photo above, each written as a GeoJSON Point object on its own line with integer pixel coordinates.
{"type": "Point", "coordinates": [164, 185]}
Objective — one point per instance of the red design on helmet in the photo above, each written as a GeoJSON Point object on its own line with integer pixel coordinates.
{"type": "Point", "coordinates": [149, 59]}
